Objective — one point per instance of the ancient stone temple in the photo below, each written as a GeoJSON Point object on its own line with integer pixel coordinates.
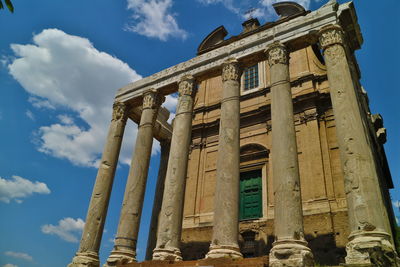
{"type": "Point", "coordinates": [273, 158]}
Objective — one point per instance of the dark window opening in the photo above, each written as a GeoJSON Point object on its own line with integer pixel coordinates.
{"type": "Point", "coordinates": [249, 245]}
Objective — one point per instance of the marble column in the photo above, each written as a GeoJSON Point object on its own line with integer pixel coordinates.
{"type": "Point", "coordinates": [88, 253]}
{"type": "Point", "coordinates": [170, 218]}
{"type": "Point", "coordinates": [125, 241]}
{"type": "Point", "coordinates": [162, 171]}
{"type": "Point", "coordinates": [369, 243]}
{"type": "Point", "coordinates": [290, 247]}
{"type": "Point", "coordinates": [224, 241]}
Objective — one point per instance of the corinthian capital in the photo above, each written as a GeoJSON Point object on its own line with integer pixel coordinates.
{"type": "Point", "coordinates": [277, 53]}
{"type": "Point", "coordinates": [151, 99]}
{"type": "Point", "coordinates": [230, 70]}
{"type": "Point", "coordinates": [119, 111]}
{"type": "Point", "coordinates": [330, 35]}
{"type": "Point", "coordinates": [186, 85]}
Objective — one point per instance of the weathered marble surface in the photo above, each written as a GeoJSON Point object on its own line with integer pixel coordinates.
{"type": "Point", "coordinates": [87, 254]}
{"type": "Point", "coordinates": [290, 247]}
{"type": "Point", "coordinates": [128, 228]}
{"type": "Point", "coordinates": [170, 218]}
{"type": "Point", "coordinates": [370, 241]}
{"type": "Point", "coordinates": [224, 242]}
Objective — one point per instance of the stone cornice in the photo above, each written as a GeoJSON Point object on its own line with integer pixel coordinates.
{"type": "Point", "coordinates": [292, 30]}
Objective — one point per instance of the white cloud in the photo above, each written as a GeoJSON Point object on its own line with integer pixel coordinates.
{"type": "Point", "coordinates": [66, 72]}
{"type": "Point", "coordinates": [67, 229]}
{"type": "Point", "coordinates": [30, 115]}
{"type": "Point", "coordinates": [9, 265]}
{"type": "Point", "coordinates": [19, 255]}
{"type": "Point", "coordinates": [229, 4]}
{"type": "Point", "coordinates": [65, 119]}
{"type": "Point", "coordinates": [153, 18]}
{"type": "Point", "coordinates": [261, 9]}
{"type": "Point", "coordinates": [18, 187]}
{"type": "Point", "coordinates": [396, 203]}
{"type": "Point", "coordinates": [40, 103]}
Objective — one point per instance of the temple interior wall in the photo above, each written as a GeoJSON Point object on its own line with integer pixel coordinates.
{"type": "Point", "coordinates": [322, 185]}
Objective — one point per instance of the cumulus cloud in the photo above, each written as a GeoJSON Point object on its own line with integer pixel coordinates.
{"type": "Point", "coordinates": [66, 72]}
{"type": "Point", "coordinates": [9, 265]}
{"type": "Point", "coordinates": [396, 203]}
{"type": "Point", "coordinates": [68, 229]}
{"type": "Point", "coordinates": [19, 255]}
{"type": "Point", "coordinates": [153, 18]}
{"type": "Point", "coordinates": [18, 187]}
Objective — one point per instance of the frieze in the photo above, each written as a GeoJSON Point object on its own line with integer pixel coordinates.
{"type": "Point", "coordinates": [239, 49]}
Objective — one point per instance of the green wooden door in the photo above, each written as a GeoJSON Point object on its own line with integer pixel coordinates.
{"type": "Point", "coordinates": [250, 195]}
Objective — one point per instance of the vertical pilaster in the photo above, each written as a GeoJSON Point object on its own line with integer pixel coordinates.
{"type": "Point", "coordinates": [224, 241]}
{"type": "Point", "coordinates": [290, 247]}
{"type": "Point", "coordinates": [170, 218]}
{"type": "Point", "coordinates": [162, 171]}
{"type": "Point", "coordinates": [369, 243]}
{"type": "Point", "coordinates": [88, 253]}
{"type": "Point", "coordinates": [125, 241]}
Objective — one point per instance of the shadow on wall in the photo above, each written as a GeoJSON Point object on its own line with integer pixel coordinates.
{"type": "Point", "coordinates": [323, 247]}
{"type": "Point", "coordinates": [325, 250]}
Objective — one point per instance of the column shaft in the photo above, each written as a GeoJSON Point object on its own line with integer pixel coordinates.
{"type": "Point", "coordinates": [87, 254]}
{"type": "Point", "coordinates": [162, 171]}
{"type": "Point", "coordinates": [289, 248]}
{"type": "Point", "coordinates": [368, 240]}
{"type": "Point", "coordinates": [224, 241]}
{"type": "Point", "coordinates": [170, 218]}
{"type": "Point", "coordinates": [125, 241]}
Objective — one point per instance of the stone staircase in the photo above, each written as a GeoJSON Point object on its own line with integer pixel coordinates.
{"type": "Point", "coordinates": [248, 262]}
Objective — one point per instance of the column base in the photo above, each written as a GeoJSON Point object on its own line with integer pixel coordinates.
{"type": "Point", "coordinates": [167, 254]}
{"type": "Point", "coordinates": [224, 252]}
{"type": "Point", "coordinates": [290, 253]}
{"type": "Point", "coordinates": [371, 248]}
{"type": "Point", "coordinates": [119, 257]}
{"type": "Point", "coordinates": [85, 259]}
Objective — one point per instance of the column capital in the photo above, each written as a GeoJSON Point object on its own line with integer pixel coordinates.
{"type": "Point", "coordinates": [186, 85]}
{"type": "Point", "coordinates": [230, 70]}
{"type": "Point", "coordinates": [330, 35]}
{"type": "Point", "coordinates": [151, 99]}
{"type": "Point", "coordinates": [120, 111]}
{"type": "Point", "coordinates": [277, 53]}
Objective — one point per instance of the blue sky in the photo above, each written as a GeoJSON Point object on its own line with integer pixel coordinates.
{"type": "Point", "coordinates": [61, 63]}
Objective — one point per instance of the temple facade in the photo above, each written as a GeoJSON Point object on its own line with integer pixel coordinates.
{"type": "Point", "coordinates": [273, 152]}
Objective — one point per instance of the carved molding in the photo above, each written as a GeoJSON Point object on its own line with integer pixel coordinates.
{"type": "Point", "coordinates": [230, 70]}
{"type": "Point", "coordinates": [119, 111]}
{"type": "Point", "coordinates": [330, 35]}
{"type": "Point", "coordinates": [152, 100]}
{"type": "Point", "coordinates": [239, 49]}
{"type": "Point", "coordinates": [186, 85]}
{"type": "Point", "coordinates": [277, 54]}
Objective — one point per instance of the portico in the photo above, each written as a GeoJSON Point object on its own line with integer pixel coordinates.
{"type": "Point", "coordinates": [286, 105]}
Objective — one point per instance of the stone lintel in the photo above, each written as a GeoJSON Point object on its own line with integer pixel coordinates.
{"type": "Point", "coordinates": [162, 129]}
{"type": "Point", "coordinates": [302, 28]}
